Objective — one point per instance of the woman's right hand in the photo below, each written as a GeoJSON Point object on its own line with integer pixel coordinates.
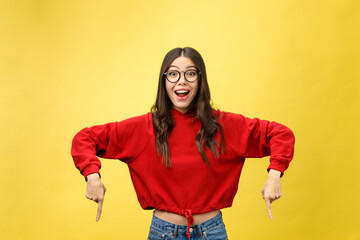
{"type": "Point", "coordinates": [95, 191]}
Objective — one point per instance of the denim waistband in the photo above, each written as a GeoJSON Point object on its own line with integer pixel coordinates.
{"type": "Point", "coordinates": [195, 229]}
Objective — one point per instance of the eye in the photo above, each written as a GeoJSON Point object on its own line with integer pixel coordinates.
{"type": "Point", "coordinates": [191, 73]}
{"type": "Point", "coordinates": [172, 73]}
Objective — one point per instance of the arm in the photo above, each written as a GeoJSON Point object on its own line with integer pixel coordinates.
{"type": "Point", "coordinates": [281, 143]}
{"type": "Point", "coordinates": [91, 143]}
{"type": "Point", "coordinates": [260, 138]}
{"type": "Point", "coordinates": [87, 145]}
{"type": "Point", "coordinates": [255, 138]}
{"type": "Point", "coordinates": [118, 140]}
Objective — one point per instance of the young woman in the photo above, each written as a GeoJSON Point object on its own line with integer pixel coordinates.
{"type": "Point", "coordinates": [185, 158]}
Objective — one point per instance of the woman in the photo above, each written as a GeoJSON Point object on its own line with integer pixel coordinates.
{"type": "Point", "coordinates": [185, 158]}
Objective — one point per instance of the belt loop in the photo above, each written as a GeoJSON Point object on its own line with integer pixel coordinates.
{"type": "Point", "coordinates": [176, 230]}
{"type": "Point", "coordinates": [200, 229]}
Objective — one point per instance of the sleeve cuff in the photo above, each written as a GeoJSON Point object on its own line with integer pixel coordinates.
{"type": "Point", "coordinates": [91, 169]}
{"type": "Point", "coordinates": [277, 165]}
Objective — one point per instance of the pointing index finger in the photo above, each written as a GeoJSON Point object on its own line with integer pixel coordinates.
{"type": "Point", "coordinates": [268, 206]}
{"type": "Point", "coordinates": [99, 209]}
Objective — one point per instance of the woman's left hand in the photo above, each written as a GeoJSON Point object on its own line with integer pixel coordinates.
{"type": "Point", "coordinates": [272, 189]}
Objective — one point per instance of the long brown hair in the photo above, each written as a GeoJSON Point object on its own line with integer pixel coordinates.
{"type": "Point", "coordinates": [163, 122]}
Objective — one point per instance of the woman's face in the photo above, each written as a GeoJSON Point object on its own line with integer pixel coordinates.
{"type": "Point", "coordinates": [182, 92]}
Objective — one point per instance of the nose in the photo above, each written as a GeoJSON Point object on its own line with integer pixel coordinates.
{"type": "Point", "coordinates": [182, 80]}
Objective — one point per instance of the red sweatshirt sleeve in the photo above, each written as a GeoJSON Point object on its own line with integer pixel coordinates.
{"type": "Point", "coordinates": [117, 140]}
{"type": "Point", "coordinates": [255, 138]}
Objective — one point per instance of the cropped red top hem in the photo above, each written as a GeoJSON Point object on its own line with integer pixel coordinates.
{"type": "Point", "coordinates": [188, 213]}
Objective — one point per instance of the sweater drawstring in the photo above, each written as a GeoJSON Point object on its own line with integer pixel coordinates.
{"type": "Point", "coordinates": [190, 219]}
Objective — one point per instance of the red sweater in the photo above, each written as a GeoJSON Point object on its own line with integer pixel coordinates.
{"type": "Point", "coordinates": [190, 186]}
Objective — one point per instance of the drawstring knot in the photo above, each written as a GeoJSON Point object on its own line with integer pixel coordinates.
{"type": "Point", "coordinates": [188, 215]}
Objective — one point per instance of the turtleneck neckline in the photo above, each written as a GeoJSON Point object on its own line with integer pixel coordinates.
{"type": "Point", "coordinates": [176, 113]}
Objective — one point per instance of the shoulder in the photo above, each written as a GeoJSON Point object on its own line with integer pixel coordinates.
{"type": "Point", "coordinates": [231, 121]}
{"type": "Point", "coordinates": [138, 124]}
{"type": "Point", "coordinates": [141, 119]}
{"type": "Point", "coordinates": [222, 116]}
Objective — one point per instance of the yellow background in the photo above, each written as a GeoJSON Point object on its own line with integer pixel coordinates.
{"type": "Point", "coordinates": [65, 65]}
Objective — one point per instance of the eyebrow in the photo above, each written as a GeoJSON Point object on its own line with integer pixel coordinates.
{"type": "Point", "coordinates": [191, 66]}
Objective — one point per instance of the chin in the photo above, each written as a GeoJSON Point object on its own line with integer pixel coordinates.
{"type": "Point", "coordinates": [182, 108]}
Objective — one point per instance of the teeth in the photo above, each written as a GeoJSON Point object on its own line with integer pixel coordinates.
{"type": "Point", "coordinates": [182, 91]}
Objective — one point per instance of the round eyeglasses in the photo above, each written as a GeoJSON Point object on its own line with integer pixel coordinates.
{"type": "Point", "coordinates": [174, 75]}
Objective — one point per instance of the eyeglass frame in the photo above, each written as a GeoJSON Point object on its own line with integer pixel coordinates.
{"type": "Point", "coordinates": [198, 72]}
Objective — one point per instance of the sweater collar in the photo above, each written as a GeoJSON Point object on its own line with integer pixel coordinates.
{"type": "Point", "coordinates": [177, 114]}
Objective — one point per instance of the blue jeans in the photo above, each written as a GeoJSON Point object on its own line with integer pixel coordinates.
{"type": "Point", "coordinates": [212, 229]}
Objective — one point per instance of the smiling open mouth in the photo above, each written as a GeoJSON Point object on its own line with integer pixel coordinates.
{"type": "Point", "coordinates": [182, 93]}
